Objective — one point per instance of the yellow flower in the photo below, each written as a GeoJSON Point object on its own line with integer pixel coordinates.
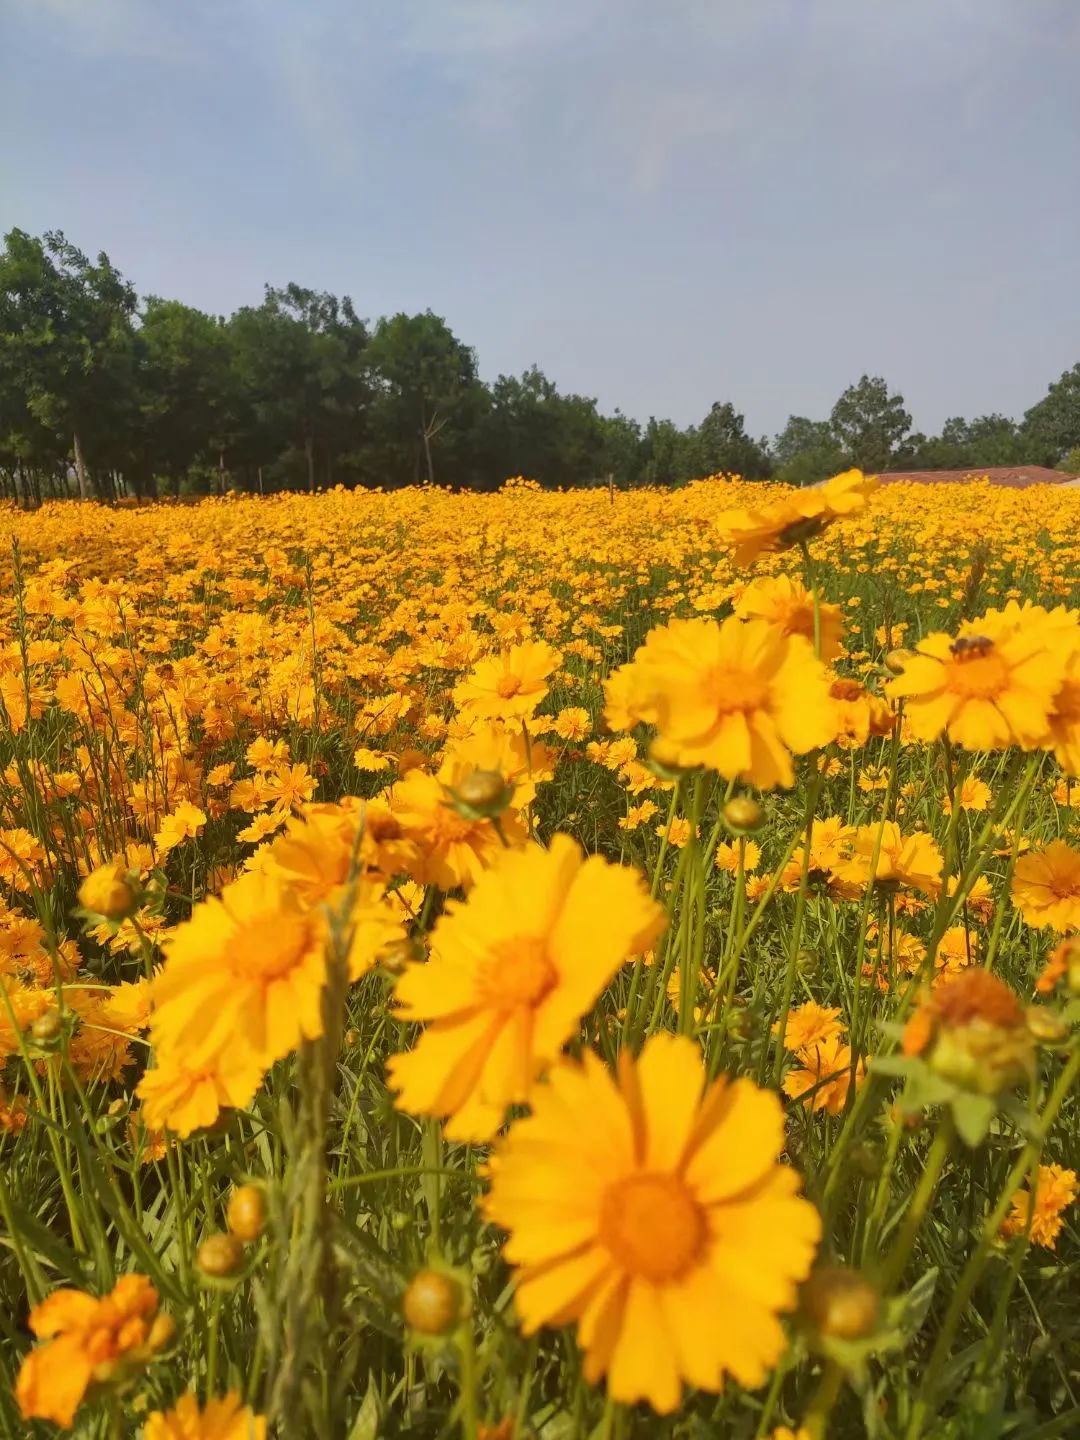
{"type": "Point", "coordinates": [794, 518]}
{"type": "Point", "coordinates": [225, 1419]}
{"type": "Point", "coordinates": [739, 697]}
{"type": "Point", "coordinates": [902, 860]}
{"type": "Point", "coordinates": [653, 1212]}
{"type": "Point", "coordinates": [1046, 886]}
{"type": "Point", "coordinates": [88, 1341]}
{"type": "Point", "coordinates": [809, 1025]}
{"type": "Point", "coordinates": [985, 691]}
{"type": "Point", "coordinates": [512, 970]}
{"type": "Point", "coordinates": [184, 823]}
{"type": "Point", "coordinates": [106, 891]}
{"type": "Point", "coordinates": [824, 1079]}
{"type": "Point", "coordinates": [727, 856]}
{"type": "Point", "coordinates": [449, 848]}
{"type": "Point", "coordinates": [511, 685]}
{"type": "Point", "coordinates": [248, 968]}
{"type": "Point", "coordinates": [183, 1097]}
{"type": "Point", "coordinates": [787, 604]}
{"type": "Point", "coordinates": [1055, 1188]}
{"type": "Point", "coordinates": [572, 723]}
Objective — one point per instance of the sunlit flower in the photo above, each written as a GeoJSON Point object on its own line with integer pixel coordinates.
{"type": "Point", "coordinates": [225, 1419]}
{"type": "Point", "coordinates": [737, 697]}
{"type": "Point", "coordinates": [512, 970]}
{"type": "Point", "coordinates": [1055, 1190]}
{"type": "Point", "coordinates": [1046, 886]}
{"type": "Point", "coordinates": [653, 1213]}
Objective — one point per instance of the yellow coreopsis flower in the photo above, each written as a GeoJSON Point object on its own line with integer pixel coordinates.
{"type": "Point", "coordinates": [87, 1341]}
{"type": "Point", "coordinates": [248, 969]}
{"type": "Point", "coordinates": [740, 697]}
{"type": "Point", "coordinates": [512, 970]}
{"type": "Point", "coordinates": [509, 686]}
{"type": "Point", "coordinates": [653, 1211]}
{"type": "Point", "coordinates": [1046, 886]}
{"type": "Point", "coordinates": [1055, 1189]}
{"type": "Point", "coordinates": [985, 691]}
{"type": "Point", "coordinates": [786, 603]}
{"type": "Point", "coordinates": [225, 1419]}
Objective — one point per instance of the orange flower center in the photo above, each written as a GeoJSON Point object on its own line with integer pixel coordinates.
{"type": "Point", "coordinates": [508, 686]}
{"type": "Point", "coordinates": [518, 973]}
{"type": "Point", "coordinates": [978, 674]}
{"type": "Point", "coordinates": [733, 690]}
{"type": "Point", "coordinates": [268, 949]}
{"type": "Point", "coordinates": [653, 1226]}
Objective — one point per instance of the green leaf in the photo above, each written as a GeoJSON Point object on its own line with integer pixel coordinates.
{"type": "Point", "coordinates": [366, 1424]}
{"type": "Point", "coordinates": [973, 1115]}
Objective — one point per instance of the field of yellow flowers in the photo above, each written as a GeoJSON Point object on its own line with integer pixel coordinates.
{"type": "Point", "coordinates": [542, 965]}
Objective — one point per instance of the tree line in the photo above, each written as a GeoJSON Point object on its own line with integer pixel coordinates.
{"type": "Point", "coordinates": [104, 394]}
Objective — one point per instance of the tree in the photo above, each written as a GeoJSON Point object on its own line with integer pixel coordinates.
{"type": "Point", "coordinates": [1052, 426]}
{"type": "Point", "coordinates": [868, 423]}
{"type": "Point", "coordinates": [721, 446]}
{"type": "Point", "coordinates": [183, 385]}
{"type": "Point", "coordinates": [806, 451]}
{"type": "Point", "coordinates": [533, 430]}
{"type": "Point", "coordinates": [427, 398]}
{"type": "Point", "coordinates": [301, 367]}
{"type": "Point", "coordinates": [67, 345]}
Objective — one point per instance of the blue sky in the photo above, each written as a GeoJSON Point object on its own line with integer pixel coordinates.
{"type": "Point", "coordinates": [660, 204]}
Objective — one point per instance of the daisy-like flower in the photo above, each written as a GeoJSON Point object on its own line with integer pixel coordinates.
{"type": "Point", "coordinates": [795, 518]}
{"type": "Point", "coordinates": [184, 823]}
{"type": "Point", "coordinates": [509, 686]}
{"type": "Point", "coordinates": [810, 1024]}
{"type": "Point", "coordinates": [786, 603]}
{"type": "Point", "coordinates": [248, 968]}
{"type": "Point", "coordinates": [823, 1078]}
{"type": "Point", "coordinates": [740, 697]}
{"type": "Point", "coordinates": [1046, 886]}
{"type": "Point", "coordinates": [87, 1341]}
{"type": "Point", "coordinates": [902, 860]}
{"type": "Point", "coordinates": [183, 1097]}
{"type": "Point", "coordinates": [225, 1419]}
{"type": "Point", "coordinates": [1055, 1190]}
{"type": "Point", "coordinates": [986, 691]}
{"type": "Point", "coordinates": [512, 970]}
{"type": "Point", "coordinates": [652, 1210]}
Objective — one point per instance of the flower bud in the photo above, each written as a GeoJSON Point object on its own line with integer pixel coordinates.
{"type": "Point", "coordinates": [895, 661]}
{"type": "Point", "coordinates": [482, 795]}
{"type": "Point", "coordinates": [47, 1027]}
{"type": "Point", "coordinates": [742, 813]}
{"type": "Point", "coordinates": [433, 1304]}
{"type": "Point", "coordinates": [105, 891]}
{"type": "Point", "coordinates": [161, 1331]}
{"type": "Point", "coordinates": [840, 1304]}
{"type": "Point", "coordinates": [246, 1214]}
{"type": "Point", "coordinates": [219, 1255]}
{"type": "Point", "coordinates": [1046, 1027]}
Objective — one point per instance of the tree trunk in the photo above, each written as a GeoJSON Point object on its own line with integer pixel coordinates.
{"type": "Point", "coordinates": [260, 480]}
{"type": "Point", "coordinates": [80, 469]}
{"type": "Point", "coordinates": [309, 452]}
{"type": "Point", "coordinates": [427, 449]}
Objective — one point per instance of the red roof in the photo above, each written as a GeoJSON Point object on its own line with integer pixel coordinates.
{"type": "Point", "coordinates": [1016, 477]}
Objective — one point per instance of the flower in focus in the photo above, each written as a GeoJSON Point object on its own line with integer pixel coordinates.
{"type": "Point", "coordinates": [225, 1419]}
{"type": "Point", "coordinates": [512, 970]}
{"type": "Point", "coordinates": [1055, 1189]}
{"type": "Point", "coordinates": [652, 1210]}
{"type": "Point", "coordinates": [1046, 886]}
{"type": "Point", "coordinates": [809, 1025]}
{"type": "Point", "coordinates": [984, 692]}
{"type": "Point", "coordinates": [738, 696]}
{"type": "Point", "coordinates": [902, 860]}
{"type": "Point", "coordinates": [511, 685]}
{"type": "Point", "coordinates": [87, 1341]}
